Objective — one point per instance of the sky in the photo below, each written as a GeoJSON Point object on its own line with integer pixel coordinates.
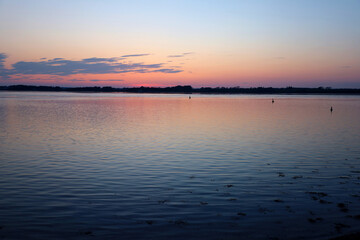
{"type": "Point", "coordinates": [203, 43]}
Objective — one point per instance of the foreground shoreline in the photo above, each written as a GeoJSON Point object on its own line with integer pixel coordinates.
{"type": "Point", "coordinates": [189, 90]}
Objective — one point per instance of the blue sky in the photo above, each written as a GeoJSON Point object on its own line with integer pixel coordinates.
{"type": "Point", "coordinates": [233, 43]}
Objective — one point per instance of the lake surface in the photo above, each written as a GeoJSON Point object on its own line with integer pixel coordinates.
{"type": "Point", "coordinates": [130, 166]}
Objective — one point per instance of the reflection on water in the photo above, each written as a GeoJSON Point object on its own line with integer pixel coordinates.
{"type": "Point", "coordinates": [106, 166]}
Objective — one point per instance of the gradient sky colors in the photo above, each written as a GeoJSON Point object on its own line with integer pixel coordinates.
{"type": "Point", "coordinates": [278, 43]}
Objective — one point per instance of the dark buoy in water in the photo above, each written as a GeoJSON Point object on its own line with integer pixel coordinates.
{"type": "Point", "coordinates": [272, 101]}
{"type": "Point", "coordinates": [331, 109]}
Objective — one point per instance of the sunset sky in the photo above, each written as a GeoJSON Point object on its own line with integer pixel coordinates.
{"type": "Point", "coordinates": [246, 43]}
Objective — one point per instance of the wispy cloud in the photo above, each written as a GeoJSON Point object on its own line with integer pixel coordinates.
{"type": "Point", "coordinates": [109, 80]}
{"type": "Point", "coordinates": [167, 70]}
{"type": "Point", "coordinates": [3, 71]}
{"type": "Point", "coordinates": [76, 80]}
{"type": "Point", "coordinates": [136, 55]}
{"type": "Point", "coordinates": [64, 67]}
{"type": "Point", "coordinates": [96, 80]}
{"type": "Point", "coordinates": [3, 56]}
{"type": "Point", "coordinates": [175, 56]}
{"type": "Point", "coordinates": [180, 55]}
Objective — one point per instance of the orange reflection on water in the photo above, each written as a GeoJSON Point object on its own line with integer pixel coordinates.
{"type": "Point", "coordinates": [76, 121]}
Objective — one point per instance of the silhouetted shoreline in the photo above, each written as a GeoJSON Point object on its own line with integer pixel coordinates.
{"type": "Point", "coordinates": [188, 90]}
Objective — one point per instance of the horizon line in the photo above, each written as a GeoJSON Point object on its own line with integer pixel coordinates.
{"type": "Point", "coordinates": [172, 86]}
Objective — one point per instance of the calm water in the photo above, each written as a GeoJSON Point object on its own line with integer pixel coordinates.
{"type": "Point", "coordinates": [111, 166]}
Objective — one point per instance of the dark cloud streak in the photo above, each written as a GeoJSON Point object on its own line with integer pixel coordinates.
{"type": "Point", "coordinates": [95, 59]}
{"type": "Point", "coordinates": [63, 67]}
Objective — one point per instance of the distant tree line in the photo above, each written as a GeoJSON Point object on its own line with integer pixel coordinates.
{"type": "Point", "coordinates": [188, 90]}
